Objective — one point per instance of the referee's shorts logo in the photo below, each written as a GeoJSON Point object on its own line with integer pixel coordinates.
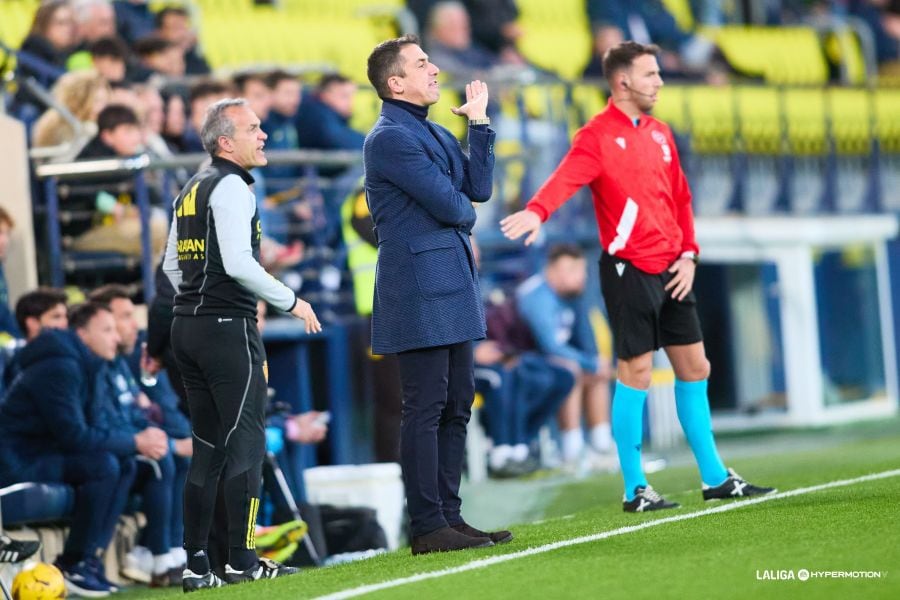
{"type": "Point", "coordinates": [620, 268]}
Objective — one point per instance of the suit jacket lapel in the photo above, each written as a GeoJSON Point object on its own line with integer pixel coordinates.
{"type": "Point", "coordinates": [421, 131]}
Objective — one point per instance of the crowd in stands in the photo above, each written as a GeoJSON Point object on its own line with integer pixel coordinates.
{"type": "Point", "coordinates": [128, 81]}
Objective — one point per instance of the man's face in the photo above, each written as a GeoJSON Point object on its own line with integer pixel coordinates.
{"type": "Point", "coordinates": [286, 97]}
{"type": "Point", "coordinates": [4, 239]}
{"type": "Point", "coordinates": [419, 84]}
{"type": "Point", "coordinates": [199, 106]}
{"type": "Point", "coordinates": [100, 335]}
{"type": "Point", "coordinates": [644, 81]}
{"type": "Point", "coordinates": [111, 68]}
{"type": "Point", "coordinates": [100, 23]}
{"type": "Point", "coordinates": [124, 139]}
{"type": "Point", "coordinates": [245, 147]}
{"type": "Point", "coordinates": [453, 30]}
{"type": "Point", "coordinates": [154, 110]}
{"type": "Point", "coordinates": [167, 62]}
{"type": "Point", "coordinates": [177, 28]}
{"type": "Point", "coordinates": [568, 276]}
{"type": "Point", "coordinates": [55, 318]}
{"type": "Point", "coordinates": [126, 324]}
{"type": "Point", "coordinates": [259, 97]}
{"type": "Point", "coordinates": [339, 96]}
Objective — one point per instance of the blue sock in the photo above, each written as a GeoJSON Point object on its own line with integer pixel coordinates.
{"type": "Point", "coordinates": [692, 404]}
{"type": "Point", "coordinates": [628, 431]}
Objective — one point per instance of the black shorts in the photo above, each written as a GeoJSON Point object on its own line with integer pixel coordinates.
{"type": "Point", "coordinates": [642, 314]}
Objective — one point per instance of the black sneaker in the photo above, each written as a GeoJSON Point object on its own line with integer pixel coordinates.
{"type": "Point", "coordinates": [266, 568]}
{"type": "Point", "coordinates": [734, 487]}
{"type": "Point", "coordinates": [646, 498]}
{"type": "Point", "coordinates": [191, 582]}
{"type": "Point", "coordinates": [13, 551]}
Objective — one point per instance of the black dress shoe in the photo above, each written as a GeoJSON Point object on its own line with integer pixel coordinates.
{"type": "Point", "coordinates": [498, 537]}
{"type": "Point", "coordinates": [447, 539]}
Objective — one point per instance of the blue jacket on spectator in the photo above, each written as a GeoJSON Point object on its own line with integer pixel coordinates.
{"type": "Point", "coordinates": [320, 126]}
{"type": "Point", "coordinates": [282, 136]}
{"type": "Point", "coordinates": [53, 406]}
{"type": "Point", "coordinates": [121, 391]}
{"type": "Point", "coordinates": [7, 318]}
{"type": "Point", "coordinates": [174, 422]}
{"type": "Point", "coordinates": [561, 327]}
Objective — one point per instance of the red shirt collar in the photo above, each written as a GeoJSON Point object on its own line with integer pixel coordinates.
{"type": "Point", "coordinates": [617, 113]}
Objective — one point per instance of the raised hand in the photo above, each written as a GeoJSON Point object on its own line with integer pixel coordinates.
{"type": "Point", "coordinates": [476, 101]}
{"type": "Point", "coordinates": [518, 224]}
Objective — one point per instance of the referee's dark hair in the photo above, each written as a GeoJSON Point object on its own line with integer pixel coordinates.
{"type": "Point", "coordinates": [621, 57]}
{"type": "Point", "coordinates": [560, 250]}
{"type": "Point", "coordinates": [81, 314]}
{"type": "Point", "coordinates": [384, 63]}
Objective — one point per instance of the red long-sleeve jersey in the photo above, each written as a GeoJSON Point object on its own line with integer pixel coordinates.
{"type": "Point", "coordinates": [641, 196]}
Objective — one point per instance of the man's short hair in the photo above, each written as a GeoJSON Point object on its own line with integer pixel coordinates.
{"type": "Point", "coordinates": [115, 115]}
{"type": "Point", "coordinates": [81, 314]}
{"type": "Point", "coordinates": [152, 44]}
{"type": "Point", "coordinates": [171, 10]}
{"type": "Point", "coordinates": [207, 87]}
{"type": "Point", "coordinates": [621, 57]}
{"type": "Point", "coordinates": [277, 76]}
{"type": "Point", "coordinates": [331, 79]}
{"type": "Point", "coordinates": [109, 292]}
{"type": "Point", "coordinates": [36, 302]}
{"type": "Point", "coordinates": [241, 80]}
{"type": "Point", "coordinates": [217, 123]}
{"type": "Point", "coordinates": [5, 217]}
{"type": "Point", "coordinates": [110, 47]}
{"type": "Point", "coordinates": [560, 250]}
{"type": "Point", "coordinates": [384, 63]}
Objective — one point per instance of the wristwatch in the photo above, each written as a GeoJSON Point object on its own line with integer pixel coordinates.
{"type": "Point", "coordinates": [691, 255]}
{"type": "Point", "coordinates": [484, 121]}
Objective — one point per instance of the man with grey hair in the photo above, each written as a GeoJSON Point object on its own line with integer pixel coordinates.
{"type": "Point", "coordinates": [96, 20]}
{"type": "Point", "coordinates": [212, 259]}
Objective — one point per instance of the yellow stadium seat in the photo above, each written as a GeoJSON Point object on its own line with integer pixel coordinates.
{"type": "Point", "coordinates": [805, 120]}
{"type": "Point", "coordinates": [671, 107]}
{"type": "Point", "coordinates": [843, 49]}
{"type": "Point", "coordinates": [788, 55]}
{"type": "Point", "coordinates": [759, 116]}
{"type": "Point", "coordinates": [850, 115]}
{"type": "Point", "coordinates": [15, 20]}
{"type": "Point", "coordinates": [711, 114]}
{"type": "Point", "coordinates": [887, 119]}
{"type": "Point", "coordinates": [366, 108]}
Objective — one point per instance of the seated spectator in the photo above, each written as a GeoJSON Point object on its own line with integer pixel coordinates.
{"type": "Point", "coordinates": [122, 93]}
{"type": "Point", "coordinates": [525, 393]}
{"type": "Point", "coordinates": [495, 24]}
{"type": "Point", "coordinates": [83, 94]}
{"type": "Point", "coordinates": [95, 20]}
{"type": "Point", "coordinates": [52, 37]}
{"type": "Point", "coordinates": [8, 327]}
{"type": "Point", "coordinates": [553, 305]}
{"type": "Point", "coordinates": [53, 428]}
{"type": "Point", "coordinates": [173, 23]}
{"type": "Point", "coordinates": [685, 55]}
{"type": "Point", "coordinates": [450, 45]}
{"type": "Point", "coordinates": [286, 95]}
{"type": "Point", "coordinates": [40, 309]}
{"type": "Point", "coordinates": [159, 56]}
{"type": "Point", "coordinates": [154, 480]}
{"type": "Point", "coordinates": [323, 120]}
{"type": "Point", "coordinates": [134, 19]}
{"type": "Point", "coordinates": [110, 57]}
{"type": "Point", "coordinates": [117, 223]}
{"type": "Point", "coordinates": [202, 95]}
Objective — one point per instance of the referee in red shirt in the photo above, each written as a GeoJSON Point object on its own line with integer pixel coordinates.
{"type": "Point", "coordinates": [643, 207]}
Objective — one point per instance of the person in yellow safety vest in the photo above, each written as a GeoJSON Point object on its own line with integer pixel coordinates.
{"type": "Point", "coordinates": [357, 228]}
{"type": "Point", "coordinates": [362, 248]}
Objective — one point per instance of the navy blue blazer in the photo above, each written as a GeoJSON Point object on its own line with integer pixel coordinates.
{"type": "Point", "coordinates": [420, 188]}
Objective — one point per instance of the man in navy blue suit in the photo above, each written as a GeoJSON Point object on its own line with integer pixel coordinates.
{"type": "Point", "coordinates": [427, 306]}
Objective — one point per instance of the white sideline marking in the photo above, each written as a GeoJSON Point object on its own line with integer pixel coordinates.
{"type": "Point", "coordinates": [493, 560]}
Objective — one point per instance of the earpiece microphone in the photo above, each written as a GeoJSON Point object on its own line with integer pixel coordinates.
{"type": "Point", "coordinates": [631, 89]}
